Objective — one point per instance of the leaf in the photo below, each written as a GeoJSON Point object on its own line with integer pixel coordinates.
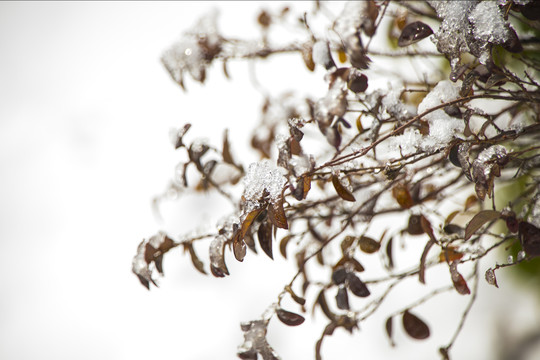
{"type": "Point", "coordinates": [347, 243]}
{"type": "Point", "coordinates": [299, 300]}
{"type": "Point", "coordinates": [414, 227]}
{"type": "Point", "coordinates": [450, 217]}
{"type": "Point", "coordinates": [341, 190]}
{"type": "Point", "coordinates": [283, 245]}
{"type": "Point", "coordinates": [457, 279]}
{"type": "Point", "coordinates": [342, 298]}
{"type": "Point", "coordinates": [178, 141]}
{"type": "Point", "coordinates": [289, 318]}
{"type": "Point", "coordinates": [389, 253]}
{"type": "Point", "coordinates": [491, 278]}
{"type": "Point", "coordinates": [265, 238]}
{"type": "Point", "coordinates": [450, 253]}
{"type": "Point", "coordinates": [529, 236]}
{"type": "Point", "coordinates": [307, 56]}
{"type": "Point", "coordinates": [368, 245]}
{"type": "Point", "coordinates": [470, 202]}
{"type": "Point", "coordinates": [402, 196]}
{"type": "Point", "coordinates": [422, 268]}
{"type": "Point", "coordinates": [389, 330]}
{"type": "Point", "coordinates": [413, 33]}
{"type": "Point", "coordinates": [426, 226]}
{"type": "Point", "coordinates": [414, 327]}
{"type": "Point", "coordinates": [217, 257]}
{"type": "Point", "coordinates": [339, 275]}
{"type": "Point", "coordinates": [479, 220]}
{"type": "Point", "coordinates": [248, 220]}
{"type": "Point", "coordinates": [357, 82]}
{"type": "Point", "coordinates": [227, 157]}
{"type": "Point", "coordinates": [197, 263]}
{"type": "Point", "coordinates": [276, 214]}
{"type": "Point", "coordinates": [239, 246]}
{"type": "Point", "coordinates": [321, 301]}
{"type": "Point", "coordinates": [357, 286]}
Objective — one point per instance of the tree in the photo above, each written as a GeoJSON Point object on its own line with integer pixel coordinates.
{"type": "Point", "coordinates": [453, 152]}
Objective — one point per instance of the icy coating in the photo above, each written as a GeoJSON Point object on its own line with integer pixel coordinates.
{"type": "Point", "coordinates": [489, 27]}
{"type": "Point", "coordinates": [263, 176]}
{"type": "Point", "coordinates": [189, 54]}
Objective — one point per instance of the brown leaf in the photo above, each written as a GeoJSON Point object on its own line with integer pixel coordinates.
{"type": "Point", "coordinates": [307, 56]}
{"type": "Point", "coordinates": [414, 227]}
{"type": "Point", "coordinates": [457, 279]}
{"type": "Point", "coordinates": [413, 33]}
{"type": "Point", "coordinates": [450, 253]}
{"type": "Point", "coordinates": [357, 286]}
{"type": "Point", "coordinates": [529, 236]}
{"type": "Point", "coordinates": [248, 220]}
{"type": "Point", "coordinates": [341, 190]}
{"type": "Point", "coordinates": [306, 185]}
{"type": "Point", "coordinates": [217, 257]}
{"type": "Point", "coordinates": [347, 243]}
{"type": "Point", "coordinates": [414, 327]}
{"type": "Point", "coordinates": [283, 245]}
{"type": "Point", "coordinates": [342, 298]}
{"type": "Point", "coordinates": [389, 330]}
{"type": "Point", "coordinates": [197, 263]}
{"type": "Point", "coordinates": [357, 82]}
{"type": "Point", "coordinates": [321, 301]}
{"type": "Point", "coordinates": [289, 318]}
{"type": "Point", "coordinates": [239, 246]}
{"type": "Point", "coordinates": [470, 202]}
{"type": "Point", "coordinates": [491, 278]}
{"type": "Point", "coordinates": [422, 268]}
{"type": "Point", "coordinates": [389, 253]}
{"type": "Point", "coordinates": [426, 226]}
{"type": "Point", "coordinates": [450, 217]}
{"type": "Point", "coordinates": [402, 196]}
{"type": "Point", "coordinates": [299, 300]}
{"type": "Point", "coordinates": [265, 238]}
{"type": "Point", "coordinates": [479, 220]}
{"type": "Point", "coordinates": [227, 157]}
{"type": "Point", "coordinates": [368, 245]}
{"type": "Point", "coordinates": [276, 214]}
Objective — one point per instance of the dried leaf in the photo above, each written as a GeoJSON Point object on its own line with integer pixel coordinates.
{"type": "Point", "coordinates": [239, 246]}
{"type": "Point", "coordinates": [413, 33]}
{"type": "Point", "coordinates": [342, 298]}
{"type": "Point", "coordinates": [341, 190]}
{"type": "Point", "coordinates": [339, 275]}
{"type": "Point", "coordinates": [217, 257]}
{"type": "Point", "coordinates": [283, 245]}
{"type": "Point", "coordinates": [276, 214]}
{"type": "Point", "coordinates": [357, 82]}
{"type": "Point", "coordinates": [321, 301]}
{"type": "Point", "coordinates": [227, 157]}
{"type": "Point", "coordinates": [491, 278]}
{"type": "Point", "coordinates": [450, 253]}
{"type": "Point", "coordinates": [402, 196]}
{"type": "Point", "coordinates": [289, 318]}
{"type": "Point", "coordinates": [450, 217]}
{"type": "Point", "coordinates": [463, 158]}
{"type": "Point", "coordinates": [179, 136]}
{"type": "Point", "coordinates": [389, 330]}
{"type": "Point", "coordinates": [265, 238]}
{"type": "Point", "coordinates": [347, 243]}
{"type": "Point", "coordinates": [414, 227]}
{"type": "Point", "coordinates": [307, 56]}
{"type": "Point", "coordinates": [470, 202]}
{"type": "Point", "coordinates": [426, 226]}
{"type": "Point", "coordinates": [357, 286]}
{"type": "Point", "coordinates": [457, 279]}
{"type": "Point", "coordinates": [479, 220]}
{"type": "Point", "coordinates": [299, 300]}
{"type": "Point", "coordinates": [422, 268]}
{"type": "Point", "coordinates": [197, 263]}
{"type": "Point", "coordinates": [414, 327]}
{"type": "Point", "coordinates": [368, 245]}
{"type": "Point", "coordinates": [248, 220]}
{"type": "Point", "coordinates": [248, 239]}
{"type": "Point", "coordinates": [389, 255]}
{"type": "Point", "coordinates": [529, 236]}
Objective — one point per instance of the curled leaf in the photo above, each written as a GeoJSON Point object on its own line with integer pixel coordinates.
{"type": "Point", "coordinates": [283, 245]}
{"type": "Point", "coordinates": [321, 301]}
{"type": "Point", "coordinates": [289, 318]}
{"type": "Point", "coordinates": [276, 214]}
{"type": "Point", "coordinates": [413, 33]}
{"type": "Point", "coordinates": [299, 300]}
{"type": "Point", "coordinates": [479, 220]}
{"type": "Point", "coordinates": [414, 326]}
{"type": "Point", "coordinates": [217, 257]}
{"type": "Point", "coordinates": [422, 268]}
{"type": "Point", "coordinates": [265, 238]}
{"type": "Point", "coordinates": [491, 278]}
{"type": "Point", "coordinates": [341, 190]}
{"type": "Point", "coordinates": [197, 263]}
{"type": "Point", "coordinates": [389, 330]}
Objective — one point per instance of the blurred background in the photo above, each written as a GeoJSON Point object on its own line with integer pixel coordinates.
{"type": "Point", "coordinates": [86, 110]}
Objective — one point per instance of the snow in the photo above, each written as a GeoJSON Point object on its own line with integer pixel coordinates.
{"type": "Point", "coordinates": [489, 27]}
{"type": "Point", "coordinates": [263, 176]}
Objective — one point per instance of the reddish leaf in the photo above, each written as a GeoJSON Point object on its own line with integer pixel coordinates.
{"type": "Point", "coordinates": [422, 268]}
{"type": "Point", "coordinates": [459, 282]}
{"type": "Point", "coordinates": [289, 318]}
{"type": "Point", "coordinates": [368, 245]}
{"type": "Point", "coordinates": [276, 214]}
{"type": "Point", "coordinates": [342, 190]}
{"type": "Point", "coordinates": [414, 327]}
{"type": "Point", "coordinates": [450, 253]}
{"type": "Point", "coordinates": [479, 220]}
{"type": "Point", "coordinates": [265, 238]}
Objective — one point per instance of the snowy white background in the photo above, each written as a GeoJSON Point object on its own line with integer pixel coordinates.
{"type": "Point", "coordinates": [85, 112]}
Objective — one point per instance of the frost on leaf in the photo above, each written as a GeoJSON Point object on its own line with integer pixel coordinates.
{"type": "Point", "coordinates": [486, 167]}
{"type": "Point", "coordinates": [255, 342]}
{"type": "Point", "coordinates": [490, 277]}
{"type": "Point", "coordinates": [217, 257]}
{"type": "Point", "coordinates": [195, 50]}
{"type": "Point", "coordinates": [151, 252]}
